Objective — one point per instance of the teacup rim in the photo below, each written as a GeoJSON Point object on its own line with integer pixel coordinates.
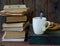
{"type": "Point", "coordinates": [39, 17]}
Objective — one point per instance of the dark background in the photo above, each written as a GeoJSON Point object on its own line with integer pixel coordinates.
{"type": "Point", "coordinates": [51, 8]}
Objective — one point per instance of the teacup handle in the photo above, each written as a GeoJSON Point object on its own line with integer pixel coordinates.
{"type": "Point", "coordinates": [48, 24]}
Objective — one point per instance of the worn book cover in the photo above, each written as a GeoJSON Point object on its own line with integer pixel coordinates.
{"type": "Point", "coordinates": [14, 6]}
{"type": "Point", "coordinates": [16, 18]}
{"type": "Point", "coordinates": [15, 28]}
{"type": "Point", "coordinates": [14, 35]}
{"type": "Point", "coordinates": [17, 10]}
{"type": "Point", "coordinates": [16, 25]}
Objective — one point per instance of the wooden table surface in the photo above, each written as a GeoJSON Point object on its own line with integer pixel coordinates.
{"type": "Point", "coordinates": [19, 43]}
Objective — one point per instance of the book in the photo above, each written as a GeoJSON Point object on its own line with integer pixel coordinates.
{"type": "Point", "coordinates": [15, 14]}
{"type": "Point", "coordinates": [16, 25]}
{"type": "Point", "coordinates": [3, 13]}
{"type": "Point", "coordinates": [14, 6]}
{"type": "Point", "coordinates": [17, 35]}
{"type": "Point", "coordinates": [12, 29]}
{"type": "Point", "coordinates": [10, 10]}
{"type": "Point", "coordinates": [13, 36]}
{"type": "Point", "coordinates": [16, 18]}
{"type": "Point", "coordinates": [17, 10]}
{"type": "Point", "coordinates": [16, 28]}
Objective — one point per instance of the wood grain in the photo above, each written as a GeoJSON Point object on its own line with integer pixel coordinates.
{"type": "Point", "coordinates": [51, 8]}
{"type": "Point", "coordinates": [19, 43]}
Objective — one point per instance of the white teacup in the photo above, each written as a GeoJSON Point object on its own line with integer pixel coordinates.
{"type": "Point", "coordinates": [39, 25]}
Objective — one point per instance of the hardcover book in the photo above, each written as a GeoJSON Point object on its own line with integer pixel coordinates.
{"type": "Point", "coordinates": [14, 36]}
{"type": "Point", "coordinates": [16, 18]}
{"type": "Point", "coordinates": [7, 27]}
{"type": "Point", "coordinates": [17, 10]}
{"type": "Point", "coordinates": [14, 6]}
{"type": "Point", "coordinates": [13, 25]}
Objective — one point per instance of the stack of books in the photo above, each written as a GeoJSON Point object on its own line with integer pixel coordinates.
{"type": "Point", "coordinates": [14, 10]}
{"type": "Point", "coordinates": [14, 27]}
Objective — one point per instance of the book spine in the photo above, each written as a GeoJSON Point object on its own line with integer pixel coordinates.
{"type": "Point", "coordinates": [16, 19]}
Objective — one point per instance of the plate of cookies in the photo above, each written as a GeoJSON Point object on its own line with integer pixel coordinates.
{"type": "Point", "coordinates": [54, 26]}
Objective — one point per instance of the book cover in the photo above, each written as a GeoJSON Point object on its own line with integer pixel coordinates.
{"type": "Point", "coordinates": [12, 25]}
{"type": "Point", "coordinates": [10, 28]}
{"type": "Point", "coordinates": [16, 18]}
{"type": "Point", "coordinates": [14, 36]}
{"type": "Point", "coordinates": [17, 10]}
{"type": "Point", "coordinates": [14, 6]}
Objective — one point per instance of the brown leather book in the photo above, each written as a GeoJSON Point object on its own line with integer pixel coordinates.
{"type": "Point", "coordinates": [16, 18]}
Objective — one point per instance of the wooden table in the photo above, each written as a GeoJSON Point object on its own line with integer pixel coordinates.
{"type": "Point", "coordinates": [48, 37]}
{"type": "Point", "coordinates": [19, 43]}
